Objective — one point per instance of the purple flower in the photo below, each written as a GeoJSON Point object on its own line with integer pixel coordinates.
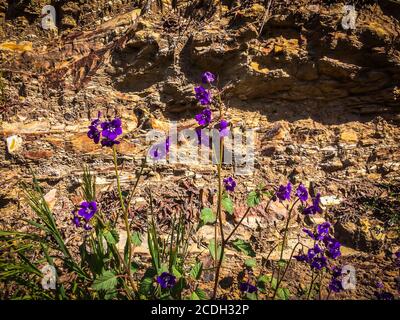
{"type": "Point", "coordinates": [229, 184]}
{"type": "Point", "coordinates": [94, 132]}
{"type": "Point", "coordinates": [207, 77]}
{"type": "Point", "coordinates": [204, 117]}
{"type": "Point", "coordinates": [111, 129]}
{"type": "Point", "coordinates": [335, 285]}
{"type": "Point", "coordinates": [323, 230]}
{"type": "Point", "coordinates": [301, 258]}
{"type": "Point", "coordinates": [283, 192]}
{"type": "Point", "coordinates": [87, 209]}
{"type": "Point", "coordinates": [313, 252]}
{"type": "Point", "coordinates": [203, 95]}
{"type": "Point", "coordinates": [319, 263]}
{"type": "Point", "coordinates": [223, 128]}
{"type": "Point", "coordinates": [246, 287]}
{"type": "Point", "coordinates": [166, 280]}
{"type": "Point", "coordinates": [302, 192]}
{"type": "Point", "coordinates": [336, 271]}
{"type": "Point", "coordinates": [314, 208]}
{"type": "Point", "coordinates": [105, 142]}
{"type": "Point", "coordinates": [333, 247]}
{"type": "Point", "coordinates": [76, 220]}
{"type": "Point", "coordinates": [310, 234]}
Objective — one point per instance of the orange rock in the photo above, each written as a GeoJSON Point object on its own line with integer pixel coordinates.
{"type": "Point", "coordinates": [38, 154]}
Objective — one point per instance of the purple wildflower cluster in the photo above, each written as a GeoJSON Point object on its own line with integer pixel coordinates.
{"type": "Point", "coordinates": [86, 211]}
{"type": "Point", "coordinates": [284, 193]}
{"type": "Point", "coordinates": [325, 247]}
{"type": "Point", "coordinates": [335, 285]}
{"type": "Point", "coordinates": [166, 280]}
{"type": "Point", "coordinates": [204, 118]}
{"type": "Point", "coordinates": [109, 131]}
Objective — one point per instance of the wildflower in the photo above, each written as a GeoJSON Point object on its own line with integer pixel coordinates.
{"type": "Point", "coordinates": [105, 142]}
{"type": "Point", "coordinates": [323, 230]}
{"type": "Point", "coordinates": [87, 209]}
{"type": "Point", "coordinates": [301, 258]}
{"type": "Point", "coordinates": [207, 77]}
{"type": "Point", "coordinates": [335, 285]}
{"type": "Point", "coordinates": [310, 234]}
{"type": "Point", "coordinates": [229, 184]}
{"type": "Point", "coordinates": [283, 192]}
{"type": "Point", "coordinates": [76, 220]}
{"type": "Point", "coordinates": [204, 117]}
{"type": "Point", "coordinates": [203, 95]}
{"type": "Point", "coordinates": [246, 287]}
{"type": "Point", "coordinates": [319, 263]}
{"type": "Point", "coordinates": [223, 128]}
{"type": "Point", "coordinates": [111, 129]}
{"type": "Point", "coordinates": [94, 132]}
{"type": "Point", "coordinates": [314, 208]}
{"type": "Point", "coordinates": [166, 280]}
{"type": "Point", "coordinates": [333, 247]}
{"type": "Point", "coordinates": [302, 192]}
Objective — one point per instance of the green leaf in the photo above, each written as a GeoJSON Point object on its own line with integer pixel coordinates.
{"type": "Point", "coordinates": [253, 199]}
{"type": "Point", "coordinates": [111, 236]}
{"type": "Point", "coordinates": [106, 281]}
{"type": "Point", "coordinates": [283, 293]}
{"type": "Point", "coordinates": [244, 247]}
{"type": "Point", "coordinates": [282, 263]}
{"type": "Point", "coordinates": [207, 216]}
{"type": "Point", "coordinates": [211, 247]}
{"type": "Point", "coordinates": [227, 204]}
{"type": "Point", "coordinates": [251, 263]}
{"type": "Point", "coordinates": [198, 294]}
{"type": "Point", "coordinates": [136, 239]}
{"type": "Point", "coordinates": [195, 273]}
{"type": "Point", "coordinates": [176, 272]}
{"type": "Point", "coordinates": [146, 283]}
{"type": "Point", "coordinates": [251, 296]}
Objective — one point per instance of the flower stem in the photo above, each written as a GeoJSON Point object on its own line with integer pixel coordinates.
{"type": "Point", "coordinates": [286, 228]}
{"type": "Point", "coordinates": [125, 216]}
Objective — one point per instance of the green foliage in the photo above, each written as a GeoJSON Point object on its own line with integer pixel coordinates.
{"type": "Point", "coordinates": [244, 247]}
{"type": "Point", "coordinates": [107, 281]}
{"type": "Point", "coordinates": [196, 271]}
{"type": "Point", "coordinates": [253, 199]}
{"type": "Point", "coordinates": [251, 263]}
{"type": "Point", "coordinates": [227, 204]}
{"type": "Point", "coordinates": [207, 216]}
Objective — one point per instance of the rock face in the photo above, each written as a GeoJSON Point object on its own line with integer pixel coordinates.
{"type": "Point", "coordinates": [324, 101]}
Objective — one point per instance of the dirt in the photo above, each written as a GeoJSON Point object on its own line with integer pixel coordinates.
{"type": "Point", "coordinates": [324, 102]}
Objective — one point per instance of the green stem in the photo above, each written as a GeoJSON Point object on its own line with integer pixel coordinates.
{"type": "Point", "coordinates": [125, 216]}
{"type": "Point", "coordinates": [287, 227]}
{"type": "Point", "coordinates": [311, 284]}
